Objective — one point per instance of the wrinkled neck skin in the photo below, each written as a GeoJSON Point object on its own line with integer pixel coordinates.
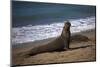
{"type": "Point", "coordinates": [66, 29]}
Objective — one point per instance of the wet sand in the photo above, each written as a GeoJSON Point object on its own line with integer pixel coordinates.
{"type": "Point", "coordinates": [82, 48]}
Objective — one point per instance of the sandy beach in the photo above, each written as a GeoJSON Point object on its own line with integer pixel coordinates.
{"type": "Point", "coordinates": [82, 48]}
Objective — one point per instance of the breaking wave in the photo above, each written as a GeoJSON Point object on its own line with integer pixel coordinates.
{"type": "Point", "coordinates": [32, 33]}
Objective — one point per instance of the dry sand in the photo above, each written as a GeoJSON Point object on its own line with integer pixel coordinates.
{"type": "Point", "coordinates": [82, 48]}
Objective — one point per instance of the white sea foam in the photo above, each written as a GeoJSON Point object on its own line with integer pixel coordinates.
{"type": "Point", "coordinates": [39, 32]}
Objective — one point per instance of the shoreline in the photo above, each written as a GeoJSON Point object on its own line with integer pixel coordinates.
{"type": "Point", "coordinates": [18, 45]}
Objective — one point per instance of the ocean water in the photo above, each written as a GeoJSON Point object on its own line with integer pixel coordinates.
{"type": "Point", "coordinates": [33, 21]}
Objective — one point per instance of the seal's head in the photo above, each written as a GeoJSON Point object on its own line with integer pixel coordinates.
{"type": "Point", "coordinates": [67, 25]}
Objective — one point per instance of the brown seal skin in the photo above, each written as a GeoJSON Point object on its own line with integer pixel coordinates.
{"type": "Point", "coordinates": [55, 45]}
{"type": "Point", "coordinates": [66, 34]}
{"type": "Point", "coordinates": [59, 43]}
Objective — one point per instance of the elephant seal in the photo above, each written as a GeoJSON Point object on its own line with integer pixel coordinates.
{"type": "Point", "coordinates": [59, 43]}
{"type": "Point", "coordinates": [66, 34]}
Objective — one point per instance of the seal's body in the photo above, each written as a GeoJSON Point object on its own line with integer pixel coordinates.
{"type": "Point", "coordinates": [59, 43]}
{"type": "Point", "coordinates": [66, 34]}
{"type": "Point", "coordinates": [55, 45]}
